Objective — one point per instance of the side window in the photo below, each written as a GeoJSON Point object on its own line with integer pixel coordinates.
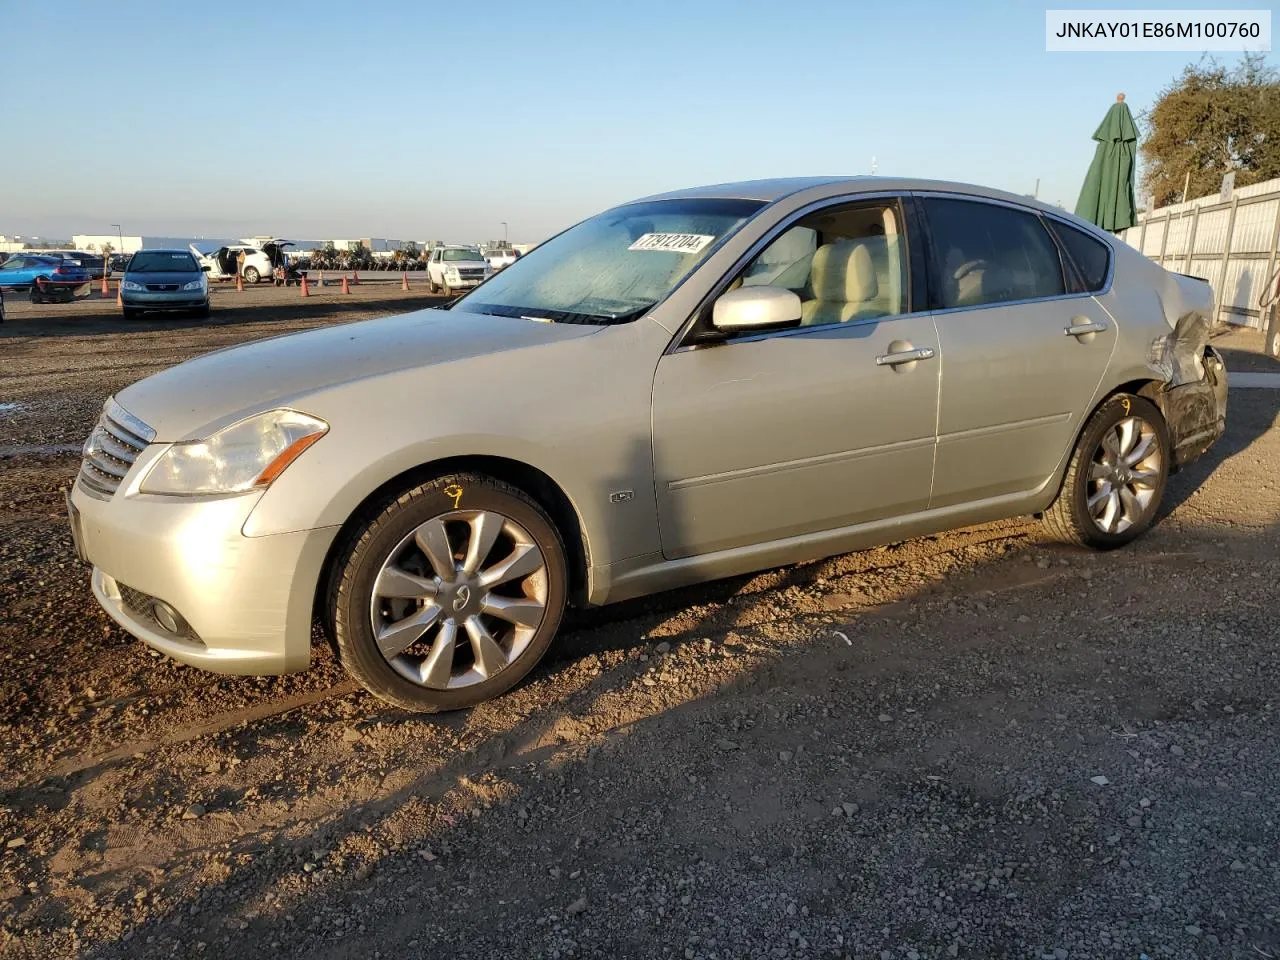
{"type": "Point", "coordinates": [986, 253]}
{"type": "Point", "coordinates": [13, 263]}
{"type": "Point", "coordinates": [846, 263]}
{"type": "Point", "coordinates": [1090, 257]}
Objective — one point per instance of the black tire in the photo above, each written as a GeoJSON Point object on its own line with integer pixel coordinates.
{"type": "Point", "coordinates": [129, 313]}
{"type": "Point", "coordinates": [35, 294]}
{"type": "Point", "coordinates": [448, 290]}
{"type": "Point", "coordinates": [201, 312]}
{"type": "Point", "coordinates": [1069, 518]}
{"type": "Point", "coordinates": [368, 546]}
{"type": "Point", "coordinates": [251, 275]}
{"type": "Point", "coordinates": [431, 284]}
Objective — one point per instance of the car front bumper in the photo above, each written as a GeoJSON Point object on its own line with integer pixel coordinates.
{"type": "Point", "coordinates": [245, 603]}
{"type": "Point", "coordinates": [164, 300]}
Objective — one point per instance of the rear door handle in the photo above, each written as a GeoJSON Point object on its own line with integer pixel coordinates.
{"type": "Point", "coordinates": [904, 356]}
{"type": "Point", "coordinates": [1083, 326]}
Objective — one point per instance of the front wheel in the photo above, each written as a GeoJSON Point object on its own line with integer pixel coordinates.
{"type": "Point", "coordinates": [1116, 478]}
{"type": "Point", "coordinates": [450, 595]}
{"type": "Point", "coordinates": [36, 295]}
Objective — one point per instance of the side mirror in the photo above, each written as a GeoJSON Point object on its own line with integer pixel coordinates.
{"type": "Point", "coordinates": [205, 268]}
{"type": "Point", "coordinates": [756, 308]}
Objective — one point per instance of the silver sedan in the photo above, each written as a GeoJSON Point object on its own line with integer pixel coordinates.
{"type": "Point", "coordinates": [682, 388]}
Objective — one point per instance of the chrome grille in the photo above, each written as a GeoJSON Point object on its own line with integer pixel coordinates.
{"type": "Point", "coordinates": [111, 449]}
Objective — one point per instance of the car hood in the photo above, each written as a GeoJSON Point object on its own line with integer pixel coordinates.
{"type": "Point", "coordinates": [194, 398]}
{"type": "Point", "coordinates": [462, 263]}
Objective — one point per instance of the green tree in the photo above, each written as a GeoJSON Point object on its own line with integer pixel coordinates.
{"type": "Point", "coordinates": [1210, 121]}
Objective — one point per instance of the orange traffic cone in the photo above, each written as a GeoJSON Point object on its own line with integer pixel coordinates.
{"type": "Point", "coordinates": [404, 281]}
{"type": "Point", "coordinates": [355, 278]}
{"type": "Point", "coordinates": [106, 287]}
{"type": "Point", "coordinates": [119, 297]}
{"type": "Point", "coordinates": [306, 291]}
{"type": "Point", "coordinates": [346, 286]}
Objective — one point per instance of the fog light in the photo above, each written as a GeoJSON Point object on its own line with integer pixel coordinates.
{"type": "Point", "coordinates": [168, 617]}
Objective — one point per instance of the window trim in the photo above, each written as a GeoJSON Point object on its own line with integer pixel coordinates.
{"type": "Point", "coordinates": [1021, 208]}
{"type": "Point", "coordinates": [684, 340]}
{"type": "Point", "coordinates": [1108, 274]}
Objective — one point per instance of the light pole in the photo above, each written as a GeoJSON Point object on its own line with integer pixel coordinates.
{"type": "Point", "coordinates": [504, 231]}
{"type": "Point", "coordinates": [119, 237]}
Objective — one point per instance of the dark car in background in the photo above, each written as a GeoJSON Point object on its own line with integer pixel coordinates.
{"type": "Point", "coordinates": [92, 262]}
{"type": "Point", "coordinates": [164, 280]}
{"type": "Point", "coordinates": [46, 276]}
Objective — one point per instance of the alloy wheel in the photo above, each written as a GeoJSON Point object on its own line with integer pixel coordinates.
{"type": "Point", "coordinates": [1124, 475]}
{"type": "Point", "coordinates": [459, 599]}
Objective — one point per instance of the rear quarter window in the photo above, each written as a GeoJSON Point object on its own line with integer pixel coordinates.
{"type": "Point", "coordinates": [1090, 257]}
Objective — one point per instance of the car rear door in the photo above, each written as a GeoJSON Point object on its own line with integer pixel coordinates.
{"type": "Point", "coordinates": [1024, 354]}
{"type": "Point", "coordinates": [772, 435]}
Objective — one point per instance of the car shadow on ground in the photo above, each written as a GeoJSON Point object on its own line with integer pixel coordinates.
{"type": "Point", "coordinates": [796, 725]}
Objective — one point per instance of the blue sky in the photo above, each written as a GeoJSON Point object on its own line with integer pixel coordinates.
{"type": "Point", "coordinates": [442, 119]}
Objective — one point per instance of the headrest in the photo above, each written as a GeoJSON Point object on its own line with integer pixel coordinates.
{"type": "Point", "coordinates": [844, 271]}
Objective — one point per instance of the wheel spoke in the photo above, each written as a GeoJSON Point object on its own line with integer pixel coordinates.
{"type": "Point", "coordinates": [1146, 478]}
{"type": "Point", "coordinates": [489, 656]}
{"type": "Point", "coordinates": [524, 613]}
{"type": "Point", "coordinates": [395, 638]}
{"type": "Point", "coordinates": [437, 669]}
{"type": "Point", "coordinates": [395, 583]}
{"type": "Point", "coordinates": [1103, 492]}
{"type": "Point", "coordinates": [433, 540]}
{"type": "Point", "coordinates": [1132, 508]}
{"type": "Point", "coordinates": [485, 528]}
{"type": "Point", "coordinates": [1099, 471]}
{"type": "Point", "coordinates": [1111, 444]}
{"type": "Point", "coordinates": [1110, 512]}
{"type": "Point", "coordinates": [1141, 451]}
{"type": "Point", "coordinates": [1128, 433]}
{"type": "Point", "coordinates": [525, 559]}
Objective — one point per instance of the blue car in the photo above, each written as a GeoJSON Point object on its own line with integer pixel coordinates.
{"type": "Point", "coordinates": [164, 280]}
{"type": "Point", "coordinates": [47, 277]}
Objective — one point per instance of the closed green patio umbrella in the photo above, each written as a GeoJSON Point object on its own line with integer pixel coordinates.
{"type": "Point", "coordinates": [1107, 195]}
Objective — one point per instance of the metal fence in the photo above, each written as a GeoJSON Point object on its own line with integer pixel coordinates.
{"type": "Point", "coordinates": [1231, 243]}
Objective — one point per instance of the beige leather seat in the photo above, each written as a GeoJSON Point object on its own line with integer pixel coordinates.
{"type": "Point", "coordinates": [844, 284]}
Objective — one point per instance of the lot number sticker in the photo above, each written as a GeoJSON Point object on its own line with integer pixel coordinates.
{"type": "Point", "coordinates": [672, 242]}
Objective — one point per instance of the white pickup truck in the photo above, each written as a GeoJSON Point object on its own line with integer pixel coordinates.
{"type": "Point", "coordinates": [456, 268]}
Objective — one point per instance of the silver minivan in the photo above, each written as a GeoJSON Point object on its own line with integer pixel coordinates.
{"type": "Point", "coordinates": [690, 386]}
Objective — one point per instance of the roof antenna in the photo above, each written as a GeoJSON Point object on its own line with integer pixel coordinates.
{"type": "Point", "coordinates": [873, 166]}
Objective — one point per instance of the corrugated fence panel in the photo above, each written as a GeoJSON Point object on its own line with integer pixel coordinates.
{"type": "Point", "coordinates": [1255, 225]}
{"type": "Point", "coordinates": [1207, 268]}
{"type": "Point", "coordinates": [1240, 289]}
{"type": "Point", "coordinates": [1211, 231]}
{"type": "Point", "coordinates": [1176, 247]}
{"type": "Point", "coordinates": [1155, 234]}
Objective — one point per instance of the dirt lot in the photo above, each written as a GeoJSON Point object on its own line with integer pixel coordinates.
{"type": "Point", "coordinates": [976, 745]}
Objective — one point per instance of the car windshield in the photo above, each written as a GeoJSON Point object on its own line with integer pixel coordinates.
{"type": "Point", "coordinates": [613, 267]}
{"type": "Point", "coordinates": [162, 261]}
{"type": "Point", "coordinates": [461, 255]}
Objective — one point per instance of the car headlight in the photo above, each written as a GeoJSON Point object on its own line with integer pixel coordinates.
{"type": "Point", "coordinates": [130, 285]}
{"type": "Point", "coordinates": [195, 284]}
{"type": "Point", "coordinates": [240, 457]}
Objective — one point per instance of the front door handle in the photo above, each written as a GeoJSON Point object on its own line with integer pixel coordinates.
{"type": "Point", "coordinates": [1084, 327]}
{"type": "Point", "coordinates": [900, 353]}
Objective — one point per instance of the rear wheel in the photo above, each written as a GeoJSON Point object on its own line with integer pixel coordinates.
{"type": "Point", "coordinates": [1116, 477]}
{"type": "Point", "coordinates": [450, 595]}
{"type": "Point", "coordinates": [37, 295]}
{"type": "Point", "coordinates": [251, 275]}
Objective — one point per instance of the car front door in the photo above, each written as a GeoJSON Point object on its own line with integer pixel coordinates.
{"type": "Point", "coordinates": [15, 272]}
{"type": "Point", "coordinates": [771, 435]}
{"type": "Point", "coordinates": [1024, 353]}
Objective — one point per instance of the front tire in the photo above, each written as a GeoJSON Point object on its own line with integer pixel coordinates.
{"type": "Point", "coordinates": [36, 295]}
{"type": "Point", "coordinates": [1116, 479]}
{"type": "Point", "coordinates": [449, 595]}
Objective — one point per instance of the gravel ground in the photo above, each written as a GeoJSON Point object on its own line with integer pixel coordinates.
{"type": "Point", "coordinates": [979, 744]}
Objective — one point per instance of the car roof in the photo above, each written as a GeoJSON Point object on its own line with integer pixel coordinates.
{"type": "Point", "coordinates": [820, 187]}
{"type": "Point", "coordinates": [163, 250]}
